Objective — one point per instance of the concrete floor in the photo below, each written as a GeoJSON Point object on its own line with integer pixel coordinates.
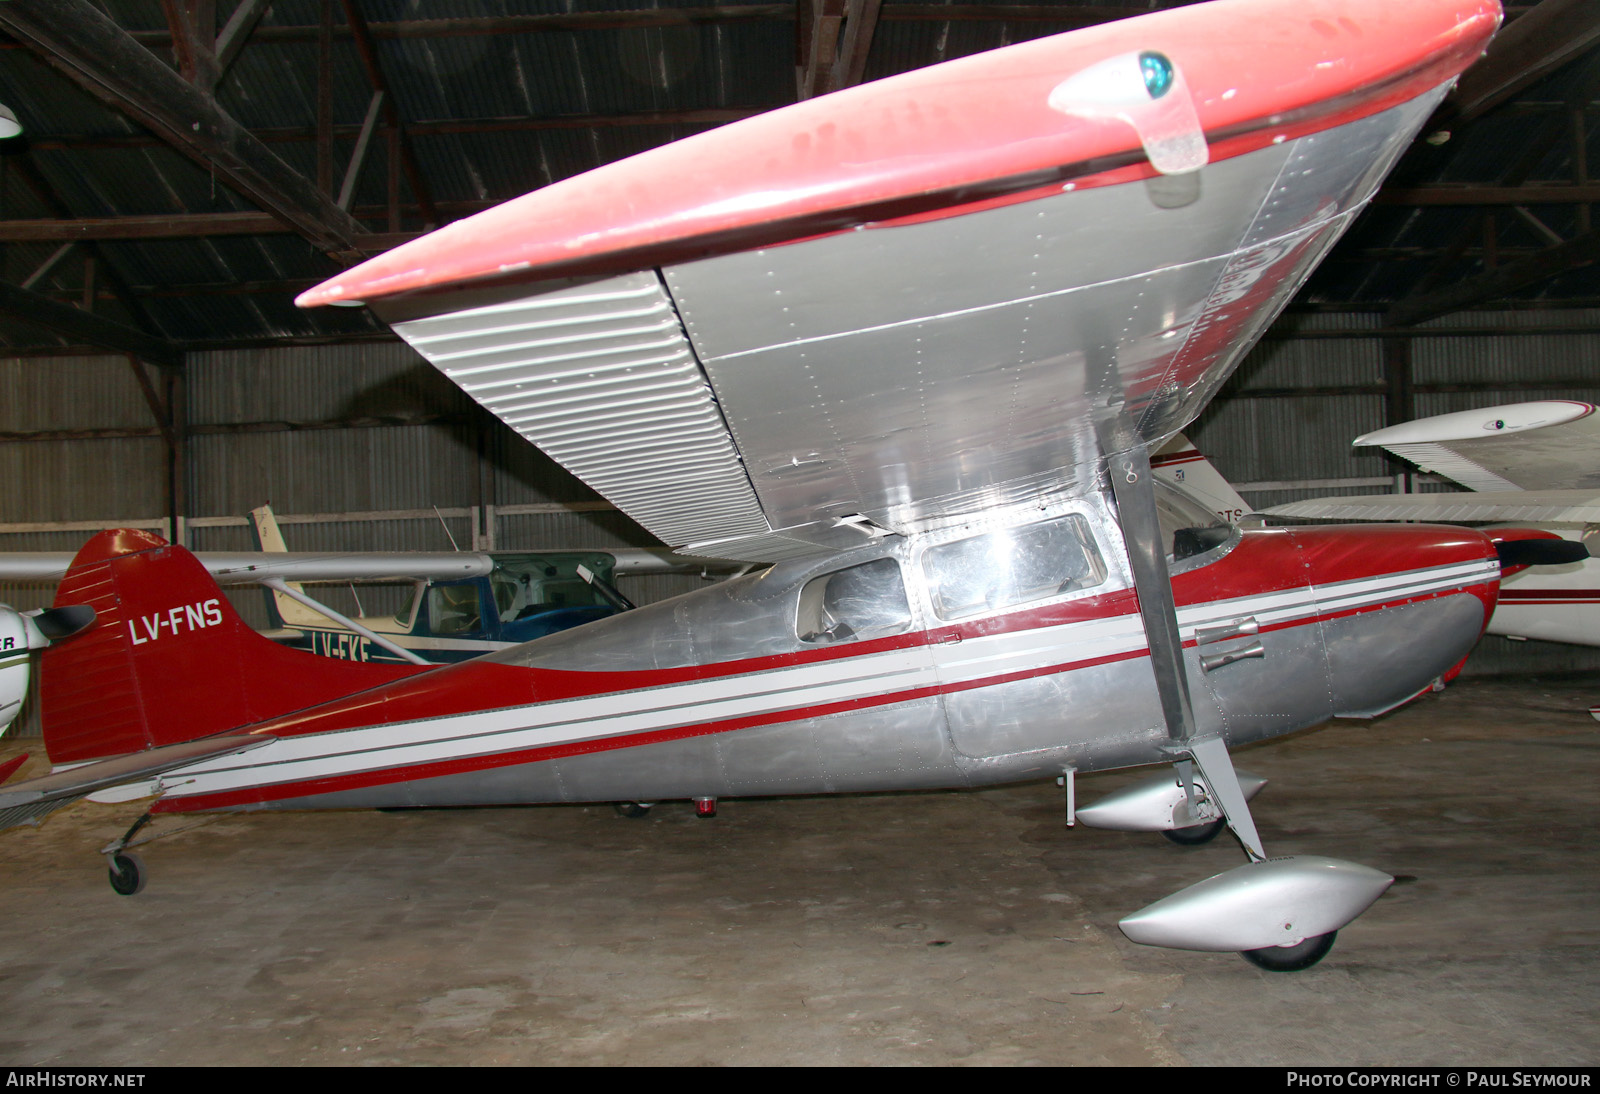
{"type": "Point", "coordinates": [967, 927]}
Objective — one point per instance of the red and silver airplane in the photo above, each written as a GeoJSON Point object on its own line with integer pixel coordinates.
{"type": "Point", "coordinates": [910, 344]}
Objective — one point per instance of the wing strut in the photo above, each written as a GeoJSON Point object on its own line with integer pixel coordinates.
{"type": "Point", "coordinates": [1132, 484]}
{"type": "Point", "coordinates": [278, 585]}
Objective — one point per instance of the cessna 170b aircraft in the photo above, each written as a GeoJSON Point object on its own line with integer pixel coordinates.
{"type": "Point", "coordinates": [909, 343]}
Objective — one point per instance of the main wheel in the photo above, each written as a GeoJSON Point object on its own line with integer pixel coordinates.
{"type": "Point", "coordinates": [126, 873]}
{"type": "Point", "coordinates": [1302, 955]}
{"type": "Point", "coordinates": [631, 810]}
{"type": "Point", "coordinates": [1196, 834]}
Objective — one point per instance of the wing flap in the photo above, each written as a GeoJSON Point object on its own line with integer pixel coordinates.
{"type": "Point", "coordinates": [600, 375]}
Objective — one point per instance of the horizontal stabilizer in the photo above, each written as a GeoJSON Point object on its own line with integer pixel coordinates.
{"type": "Point", "coordinates": [1276, 902]}
{"type": "Point", "coordinates": [1576, 506]}
{"type": "Point", "coordinates": [34, 798]}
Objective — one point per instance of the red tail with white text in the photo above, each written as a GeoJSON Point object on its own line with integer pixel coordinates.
{"type": "Point", "coordinates": [168, 659]}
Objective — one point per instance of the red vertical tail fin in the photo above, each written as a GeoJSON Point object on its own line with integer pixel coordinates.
{"type": "Point", "coordinates": [168, 659]}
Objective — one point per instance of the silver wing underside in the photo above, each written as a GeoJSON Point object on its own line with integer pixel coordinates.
{"type": "Point", "coordinates": [794, 400]}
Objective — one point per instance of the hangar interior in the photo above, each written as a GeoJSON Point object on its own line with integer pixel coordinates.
{"type": "Point", "coordinates": [157, 373]}
{"type": "Point", "coordinates": [184, 168]}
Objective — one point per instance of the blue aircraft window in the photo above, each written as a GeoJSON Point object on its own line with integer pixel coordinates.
{"type": "Point", "coordinates": [865, 601]}
{"type": "Point", "coordinates": [523, 588]}
{"type": "Point", "coordinates": [1013, 566]}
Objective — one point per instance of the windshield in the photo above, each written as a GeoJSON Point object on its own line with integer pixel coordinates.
{"type": "Point", "coordinates": [526, 585]}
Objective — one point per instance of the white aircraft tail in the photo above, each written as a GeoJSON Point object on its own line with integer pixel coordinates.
{"type": "Point", "coordinates": [282, 609]}
{"type": "Point", "coordinates": [1183, 465]}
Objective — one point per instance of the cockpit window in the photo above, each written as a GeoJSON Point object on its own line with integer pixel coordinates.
{"type": "Point", "coordinates": [1013, 566]}
{"type": "Point", "coordinates": [865, 601]}
{"type": "Point", "coordinates": [454, 609]}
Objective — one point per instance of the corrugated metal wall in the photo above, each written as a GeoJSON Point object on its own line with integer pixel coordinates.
{"type": "Point", "coordinates": [369, 428]}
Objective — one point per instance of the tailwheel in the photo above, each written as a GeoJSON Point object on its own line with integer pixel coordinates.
{"type": "Point", "coordinates": [1196, 834]}
{"type": "Point", "coordinates": [632, 810]}
{"type": "Point", "coordinates": [126, 873]}
{"type": "Point", "coordinates": [1302, 955]}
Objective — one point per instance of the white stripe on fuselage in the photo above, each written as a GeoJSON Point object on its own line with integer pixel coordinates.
{"type": "Point", "coordinates": [793, 689]}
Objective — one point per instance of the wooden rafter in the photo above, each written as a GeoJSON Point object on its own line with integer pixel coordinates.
{"type": "Point", "coordinates": [832, 40]}
{"type": "Point", "coordinates": [1506, 278]}
{"type": "Point", "coordinates": [1542, 193]}
{"type": "Point", "coordinates": [25, 170]}
{"type": "Point", "coordinates": [187, 225]}
{"type": "Point", "coordinates": [237, 32]}
{"type": "Point", "coordinates": [72, 322]}
{"type": "Point", "coordinates": [1547, 37]}
{"type": "Point", "coordinates": [391, 111]}
{"type": "Point", "coordinates": [193, 26]}
{"type": "Point", "coordinates": [75, 38]}
{"type": "Point", "coordinates": [292, 134]}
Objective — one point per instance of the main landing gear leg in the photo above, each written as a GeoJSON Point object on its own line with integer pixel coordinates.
{"type": "Point", "coordinates": [1281, 914]}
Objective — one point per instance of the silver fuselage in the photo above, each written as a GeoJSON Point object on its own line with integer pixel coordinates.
{"type": "Point", "coordinates": [915, 662]}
